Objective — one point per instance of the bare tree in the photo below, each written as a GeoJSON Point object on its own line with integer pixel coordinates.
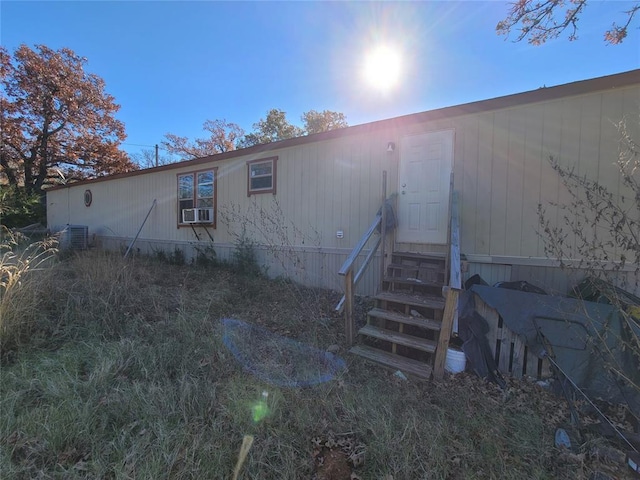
{"type": "Point", "coordinates": [223, 137]}
{"type": "Point", "coordinates": [538, 21]}
{"type": "Point", "coordinates": [147, 159]}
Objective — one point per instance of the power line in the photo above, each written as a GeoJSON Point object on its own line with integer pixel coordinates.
{"type": "Point", "coordinates": [151, 146]}
{"type": "Point", "coordinates": [141, 145]}
{"type": "Point", "coordinates": [136, 145]}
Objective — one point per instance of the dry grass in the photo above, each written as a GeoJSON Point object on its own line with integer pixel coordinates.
{"type": "Point", "coordinates": [23, 268]}
{"type": "Point", "coordinates": [126, 376]}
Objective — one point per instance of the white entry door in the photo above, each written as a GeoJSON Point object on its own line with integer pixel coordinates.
{"type": "Point", "coordinates": [423, 187]}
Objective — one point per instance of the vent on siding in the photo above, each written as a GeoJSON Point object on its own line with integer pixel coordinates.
{"type": "Point", "coordinates": [75, 237]}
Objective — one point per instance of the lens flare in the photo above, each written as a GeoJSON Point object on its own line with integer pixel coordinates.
{"type": "Point", "coordinates": [382, 67]}
{"type": "Point", "coordinates": [260, 409]}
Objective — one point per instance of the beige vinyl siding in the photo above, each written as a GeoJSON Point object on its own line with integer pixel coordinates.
{"type": "Point", "coordinates": [484, 185]}
{"type": "Point", "coordinates": [322, 188]}
{"type": "Point", "coordinates": [501, 173]}
{"type": "Point", "coordinates": [512, 174]}
{"type": "Point", "coordinates": [467, 168]}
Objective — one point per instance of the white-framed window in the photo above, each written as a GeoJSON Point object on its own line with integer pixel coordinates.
{"type": "Point", "coordinates": [197, 198]}
{"type": "Point", "coordinates": [262, 176]}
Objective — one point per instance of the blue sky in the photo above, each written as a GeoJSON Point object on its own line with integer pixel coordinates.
{"type": "Point", "coordinates": [173, 65]}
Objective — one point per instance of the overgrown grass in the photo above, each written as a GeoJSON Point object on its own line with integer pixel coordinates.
{"type": "Point", "coordinates": [126, 376]}
{"type": "Point", "coordinates": [23, 269]}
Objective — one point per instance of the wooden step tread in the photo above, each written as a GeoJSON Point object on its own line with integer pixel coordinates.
{"type": "Point", "coordinates": [405, 319]}
{"type": "Point", "coordinates": [412, 281]}
{"type": "Point", "coordinates": [429, 301]}
{"type": "Point", "coordinates": [393, 361]}
{"type": "Point", "coordinates": [430, 255]}
{"type": "Point", "coordinates": [398, 338]}
{"type": "Point", "coordinates": [416, 268]}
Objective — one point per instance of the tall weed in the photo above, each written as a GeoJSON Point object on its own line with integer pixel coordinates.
{"type": "Point", "coordinates": [25, 269]}
{"type": "Point", "coordinates": [597, 232]}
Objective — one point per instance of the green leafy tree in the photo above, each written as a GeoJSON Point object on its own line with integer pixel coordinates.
{"type": "Point", "coordinates": [317, 122]}
{"type": "Point", "coordinates": [272, 128]}
{"type": "Point", "coordinates": [18, 208]}
{"type": "Point", "coordinates": [538, 21]}
{"type": "Point", "coordinates": [57, 120]}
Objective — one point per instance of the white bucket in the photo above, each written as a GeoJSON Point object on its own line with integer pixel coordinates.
{"type": "Point", "coordinates": [455, 362]}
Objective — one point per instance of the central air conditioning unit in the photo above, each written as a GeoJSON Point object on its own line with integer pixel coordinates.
{"type": "Point", "coordinates": [197, 215]}
{"type": "Point", "coordinates": [75, 237]}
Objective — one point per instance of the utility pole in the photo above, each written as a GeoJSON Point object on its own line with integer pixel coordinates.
{"type": "Point", "coordinates": [156, 154]}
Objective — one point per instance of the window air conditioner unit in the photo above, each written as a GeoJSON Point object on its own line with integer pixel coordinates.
{"type": "Point", "coordinates": [197, 215]}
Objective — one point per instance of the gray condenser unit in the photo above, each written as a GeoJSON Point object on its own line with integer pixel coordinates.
{"type": "Point", "coordinates": [75, 237]}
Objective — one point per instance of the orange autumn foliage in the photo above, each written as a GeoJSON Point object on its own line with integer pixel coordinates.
{"type": "Point", "coordinates": [57, 120]}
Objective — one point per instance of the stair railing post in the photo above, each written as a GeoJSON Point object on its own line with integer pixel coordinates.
{"type": "Point", "coordinates": [383, 226]}
{"type": "Point", "coordinates": [450, 310]}
{"type": "Point", "coordinates": [348, 307]}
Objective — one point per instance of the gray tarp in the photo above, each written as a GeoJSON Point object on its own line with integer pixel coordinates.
{"type": "Point", "coordinates": [584, 338]}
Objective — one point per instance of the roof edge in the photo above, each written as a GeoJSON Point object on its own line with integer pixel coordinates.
{"type": "Point", "coordinates": [618, 80]}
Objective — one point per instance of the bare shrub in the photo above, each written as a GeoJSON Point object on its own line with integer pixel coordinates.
{"type": "Point", "coordinates": [599, 234]}
{"type": "Point", "coordinates": [600, 231]}
{"type": "Point", "coordinates": [268, 229]}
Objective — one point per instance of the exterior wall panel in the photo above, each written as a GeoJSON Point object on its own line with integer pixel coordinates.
{"type": "Point", "coordinates": [485, 187]}
{"type": "Point", "coordinates": [501, 172]}
{"type": "Point", "coordinates": [466, 171]}
{"type": "Point", "coordinates": [530, 178]}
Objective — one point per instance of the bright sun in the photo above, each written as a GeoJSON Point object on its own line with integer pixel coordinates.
{"type": "Point", "coordinates": [382, 67]}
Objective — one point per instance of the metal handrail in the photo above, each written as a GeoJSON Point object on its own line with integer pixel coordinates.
{"type": "Point", "coordinates": [351, 280]}
{"type": "Point", "coordinates": [347, 266]}
{"type": "Point", "coordinates": [348, 263]}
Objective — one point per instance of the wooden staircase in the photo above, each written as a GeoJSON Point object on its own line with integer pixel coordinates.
{"type": "Point", "coordinates": [416, 306]}
{"type": "Point", "coordinates": [403, 330]}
